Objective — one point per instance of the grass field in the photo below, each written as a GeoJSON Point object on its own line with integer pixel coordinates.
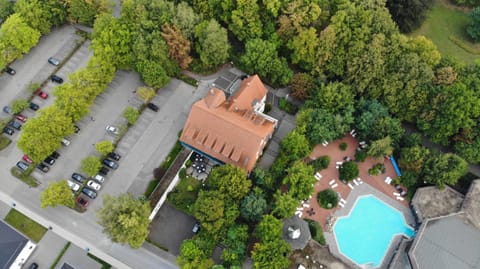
{"type": "Point", "coordinates": [446, 27]}
{"type": "Point", "coordinates": [27, 226]}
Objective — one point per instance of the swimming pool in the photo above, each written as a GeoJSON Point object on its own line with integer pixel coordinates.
{"type": "Point", "coordinates": [365, 234]}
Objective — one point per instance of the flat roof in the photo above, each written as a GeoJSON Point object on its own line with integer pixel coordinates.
{"type": "Point", "coordinates": [431, 202]}
{"type": "Point", "coordinates": [11, 244]}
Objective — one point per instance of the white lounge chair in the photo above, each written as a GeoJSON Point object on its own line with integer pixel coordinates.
{"type": "Point", "coordinates": [400, 198]}
{"type": "Point", "coordinates": [396, 193]}
{"type": "Point", "coordinates": [339, 163]}
{"type": "Point", "coordinates": [334, 186]}
{"type": "Point", "coordinates": [306, 205]}
{"type": "Point", "coordinates": [341, 205]}
{"type": "Point", "coordinates": [331, 182]}
{"type": "Point", "coordinates": [299, 208]}
{"type": "Point", "coordinates": [350, 185]}
{"type": "Point", "coordinates": [360, 181]}
{"type": "Point", "coordinates": [343, 200]}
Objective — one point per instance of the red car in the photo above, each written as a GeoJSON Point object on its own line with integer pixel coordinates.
{"type": "Point", "coordinates": [21, 118]}
{"type": "Point", "coordinates": [42, 94]}
{"type": "Point", "coordinates": [27, 159]}
{"type": "Point", "coordinates": [82, 201]}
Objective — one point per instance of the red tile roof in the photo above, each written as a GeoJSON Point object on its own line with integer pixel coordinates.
{"type": "Point", "coordinates": [229, 129]}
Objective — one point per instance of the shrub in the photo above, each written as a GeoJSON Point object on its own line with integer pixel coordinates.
{"type": "Point", "coordinates": [360, 155]}
{"type": "Point", "coordinates": [327, 199]}
{"type": "Point", "coordinates": [182, 173]}
{"type": "Point", "coordinates": [348, 171]}
{"type": "Point", "coordinates": [19, 105]}
{"type": "Point", "coordinates": [286, 106]}
{"type": "Point", "coordinates": [316, 231]}
{"type": "Point", "coordinates": [90, 165]}
{"type": "Point", "coordinates": [377, 169]}
{"type": "Point", "coordinates": [343, 146]}
{"type": "Point", "coordinates": [131, 115]}
{"type": "Point", "coordinates": [104, 147]}
{"type": "Point", "coordinates": [321, 163]}
{"type": "Point", "coordinates": [409, 179]}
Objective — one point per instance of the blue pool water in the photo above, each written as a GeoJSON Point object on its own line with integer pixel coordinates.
{"type": "Point", "coordinates": [365, 235]}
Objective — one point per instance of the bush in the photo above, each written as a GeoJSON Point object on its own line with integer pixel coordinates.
{"type": "Point", "coordinates": [286, 106]}
{"type": "Point", "coordinates": [91, 165]}
{"type": "Point", "coordinates": [104, 147]}
{"type": "Point", "coordinates": [327, 199]}
{"type": "Point", "coordinates": [409, 179]}
{"type": "Point", "coordinates": [348, 171]}
{"type": "Point", "coordinates": [131, 115]}
{"type": "Point", "coordinates": [19, 105]}
{"type": "Point", "coordinates": [316, 231]}
{"type": "Point", "coordinates": [343, 146]}
{"type": "Point", "coordinates": [182, 173]}
{"type": "Point", "coordinates": [320, 163]}
{"type": "Point", "coordinates": [184, 195]}
{"type": "Point", "coordinates": [360, 155]}
{"type": "Point", "coordinates": [377, 169]}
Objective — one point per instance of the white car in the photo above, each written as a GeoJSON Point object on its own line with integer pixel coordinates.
{"type": "Point", "coordinates": [74, 186]}
{"type": "Point", "coordinates": [94, 185]}
{"type": "Point", "coordinates": [99, 178]}
{"type": "Point", "coordinates": [112, 129]}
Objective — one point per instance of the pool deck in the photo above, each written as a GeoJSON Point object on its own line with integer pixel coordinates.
{"type": "Point", "coordinates": [371, 185]}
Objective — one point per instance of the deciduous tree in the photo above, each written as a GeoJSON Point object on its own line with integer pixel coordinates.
{"type": "Point", "coordinates": [179, 46]}
{"type": "Point", "coordinates": [253, 206]}
{"type": "Point", "coordinates": [230, 180]}
{"type": "Point", "coordinates": [104, 147]}
{"type": "Point", "coordinates": [131, 114]}
{"type": "Point", "coordinates": [212, 43]}
{"type": "Point", "coordinates": [300, 180]}
{"type": "Point", "coordinates": [90, 165]}
{"type": "Point", "coordinates": [380, 148]}
{"type": "Point", "coordinates": [209, 209]}
{"type": "Point", "coordinates": [192, 256]}
{"type": "Point", "coordinates": [57, 193]}
{"type": "Point", "coordinates": [245, 20]}
{"type": "Point", "coordinates": [271, 254]}
{"type": "Point", "coordinates": [295, 145]}
{"type": "Point", "coordinates": [145, 94]}
{"type": "Point", "coordinates": [16, 38]}
{"type": "Point", "coordinates": [348, 171]}
{"type": "Point", "coordinates": [302, 85]}
{"type": "Point", "coordinates": [125, 219]}
{"type": "Point", "coordinates": [285, 205]}
{"type": "Point", "coordinates": [19, 105]}
{"type": "Point", "coordinates": [444, 169]}
{"type": "Point", "coordinates": [413, 158]}
{"type": "Point", "coordinates": [408, 14]}
{"type": "Point", "coordinates": [473, 28]}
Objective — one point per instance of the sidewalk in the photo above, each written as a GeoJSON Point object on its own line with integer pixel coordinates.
{"type": "Point", "coordinates": [47, 250]}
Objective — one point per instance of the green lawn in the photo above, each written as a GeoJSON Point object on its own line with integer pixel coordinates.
{"type": "Point", "coordinates": [446, 27]}
{"type": "Point", "coordinates": [27, 226]}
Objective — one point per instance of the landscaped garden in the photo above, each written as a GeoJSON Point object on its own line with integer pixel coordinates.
{"type": "Point", "coordinates": [27, 226]}
{"type": "Point", "coordinates": [446, 27]}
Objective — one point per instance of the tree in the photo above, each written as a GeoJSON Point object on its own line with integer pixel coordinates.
{"type": "Point", "coordinates": [380, 148]}
{"type": "Point", "coordinates": [17, 38]}
{"type": "Point", "coordinates": [334, 97]}
{"type": "Point", "coordinates": [145, 94]}
{"type": "Point", "coordinates": [297, 16]}
{"type": "Point", "coordinates": [236, 245]}
{"type": "Point", "coordinates": [192, 256]}
{"type": "Point", "coordinates": [269, 229]}
{"type": "Point", "coordinates": [153, 74]}
{"type": "Point", "coordinates": [245, 20]}
{"type": "Point", "coordinates": [304, 48]}
{"type": "Point", "coordinates": [230, 180]}
{"type": "Point", "coordinates": [104, 147]}
{"type": "Point", "coordinates": [125, 219]}
{"type": "Point", "coordinates": [179, 46]}
{"type": "Point", "coordinates": [408, 14]}
{"type": "Point", "coordinates": [90, 165]}
{"type": "Point", "coordinates": [74, 102]}
{"type": "Point", "coordinates": [57, 193]}
{"type": "Point", "coordinates": [300, 180]}
{"type": "Point", "coordinates": [85, 12]}
{"type": "Point", "coordinates": [444, 169]}
{"type": "Point", "coordinates": [42, 135]}
{"type": "Point", "coordinates": [212, 46]}
{"type": "Point", "coordinates": [445, 75]}
{"type": "Point", "coordinates": [473, 28]}
{"type": "Point", "coordinates": [469, 151]}
{"type": "Point", "coordinates": [261, 177]}
{"type": "Point", "coordinates": [322, 125]}
{"type": "Point", "coordinates": [41, 15]}
{"type": "Point", "coordinates": [302, 85]}
{"type": "Point", "coordinates": [327, 199]}
{"type": "Point", "coordinates": [185, 18]}
{"type": "Point", "coordinates": [131, 114]}
{"type": "Point", "coordinates": [261, 57]}
{"type": "Point", "coordinates": [271, 254]}
{"type": "Point", "coordinates": [6, 9]}
{"type": "Point", "coordinates": [253, 206]}
{"type": "Point", "coordinates": [209, 209]}
{"type": "Point", "coordinates": [285, 205]}
{"type": "Point", "coordinates": [295, 145]}
{"type": "Point", "coordinates": [348, 171]}
{"type": "Point", "coordinates": [413, 158]}
{"type": "Point", "coordinates": [19, 105]}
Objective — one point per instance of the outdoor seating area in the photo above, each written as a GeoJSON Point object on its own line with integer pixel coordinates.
{"type": "Point", "coordinates": [200, 166]}
{"type": "Point", "coordinates": [329, 178]}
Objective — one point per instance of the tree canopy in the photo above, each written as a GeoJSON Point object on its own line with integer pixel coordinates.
{"type": "Point", "coordinates": [57, 193]}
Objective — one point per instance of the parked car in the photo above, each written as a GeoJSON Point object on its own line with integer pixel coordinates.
{"type": "Point", "coordinates": [65, 142]}
{"type": "Point", "coordinates": [110, 163]}
{"type": "Point", "coordinates": [49, 160]}
{"type": "Point", "coordinates": [79, 177]}
{"type": "Point", "coordinates": [55, 155]}
{"type": "Point", "coordinates": [90, 193]}
{"type": "Point", "coordinates": [56, 79]}
{"type": "Point", "coordinates": [34, 106]}
{"type": "Point", "coordinates": [94, 185]}
{"type": "Point", "coordinates": [74, 186]}
{"type": "Point", "coordinates": [8, 131]}
{"type": "Point", "coordinates": [7, 109]}
{"type": "Point", "coordinates": [103, 171]}
{"type": "Point", "coordinates": [54, 61]}
{"type": "Point", "coordinates": [196, 227]}
{"type": "Point", "coordinates": [99, 178]}
{"type": "Point", "coordinates": [112, 129]}
{"type": "Point", "coordinates": [153, 106]}
{"type": "Point", "coordinates": [23, 166]}
{"type": "Point", "coordinates": [14, 124]}
{"type": "Point", "coordinates": [82, 201]}
{"type": "Point", "coordinates": [27, 159]}
{"type": "Point", "coordinates": [76, 129]}
{"type": "Point", "coordinates": [21, 117]}
{"type": "Point", "coordinates": [43, 167]}
{"type": "Point", "coordinates": [42, 94]}
{"type": "Point", "coordinates": [114, 156]}
{"type": "Point", "coordinates": [10, 70]}
{"type": "Point", "coordinates": [33, 266]}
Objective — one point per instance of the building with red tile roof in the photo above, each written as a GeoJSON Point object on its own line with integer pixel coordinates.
{"type": "Point", "coordinates": [230, 128]}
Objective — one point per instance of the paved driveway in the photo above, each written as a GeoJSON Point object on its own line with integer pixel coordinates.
{"type": "Point", "coordinates": [170, 227]}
